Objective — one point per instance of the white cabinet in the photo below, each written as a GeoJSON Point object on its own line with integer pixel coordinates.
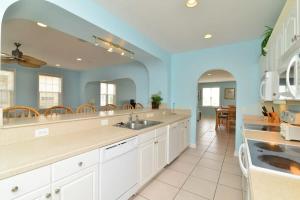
{"type": "Point", "coordinates": [40, 194]}
{"type": "Point", "coordinates": [178, 139]}
{"type": "Point", "coordinates": [161, 151]}
{"type": "Point", "coordinates": [146, 161]}
{"type": "Point", "coordinates": [152, 154]}
{"type": "Point", "coordinates": [291, 25]}
{"type": "Point", "coordinates": [79, 186]}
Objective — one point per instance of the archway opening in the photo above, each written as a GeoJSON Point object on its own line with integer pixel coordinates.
{"type": "Point", "coordinates": [216, 110]}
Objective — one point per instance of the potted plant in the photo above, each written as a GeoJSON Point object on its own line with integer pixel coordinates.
{"type": "Point", "coordinates": [267, 35]}
{"type": "Point", "coordinates": [156, 100]}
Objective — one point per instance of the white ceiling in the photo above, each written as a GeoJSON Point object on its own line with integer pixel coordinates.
{"type": "Point", "coordinates": [177, 28]}
{"type": "Point", "coordinates": [216, 76]}
{"type": "Point", "coordinates": [55, 47]}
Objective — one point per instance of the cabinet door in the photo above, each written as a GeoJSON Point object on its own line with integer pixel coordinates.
{"type": "Point", "coordinates": [41, 194]}
{"type": "Point", "coordinates": [279, 49]}
{"type": "Point", "coordinates": [82, 185]}
{"type": "Point", "coordinates": [181, 137]}
{"type": "Point", "coordinates": [290, 26]}
{"type": "Point", "coordinates": [173, 143]}
{"type": "Point", "coordinates": [186, 134]}
{"type": "Point", "coordinates": [161, 152]}
{"type": "Point", "coordinates": [146, 161]}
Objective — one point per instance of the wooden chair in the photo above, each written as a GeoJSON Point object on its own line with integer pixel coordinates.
{"type": "Point", "coordinates": [221, 118]}
{"type": "Point", "coordinates": [58, 110]}
{"type": "Point", "coordinates": [127, 106]}
{"type": "Point", "coordinates": [20, 112]}
{"type": "Point", "coordinates": [108, 107]}
{"type": "Point", "coordinates": [86, 108]}
{"type": "Point", "coordinates": [139, 106]}
{"type": "Point", "coordinates": [231, 117]}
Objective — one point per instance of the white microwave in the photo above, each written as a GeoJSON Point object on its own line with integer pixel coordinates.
{"type": "Point", "coordinates": [268, 86]}
{"type": "Point", "coordinates": [289, 80]}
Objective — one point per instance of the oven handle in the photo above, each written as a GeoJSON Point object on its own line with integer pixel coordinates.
{"type": "Point", "coordinates": [241, 152]}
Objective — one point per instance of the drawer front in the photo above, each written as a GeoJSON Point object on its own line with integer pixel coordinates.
{"type": "Point", "coordinates": [72, 165]}
{"type": "Point", "coordinates": [161, 131]}
{"type": "Point", "coordinates": [24, 183]}
{"type": "Point", "coordinates": [146, 136]}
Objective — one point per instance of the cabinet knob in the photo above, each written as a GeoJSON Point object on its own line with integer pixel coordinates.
{"type": "Point", "coordinates": [80, 164]}
{"type": "Point", "coordinates": [57, 191]}
{"type": "Point", "coordinates": [15, 189]}
{"type": "Point", "coordinates": [48, 196]}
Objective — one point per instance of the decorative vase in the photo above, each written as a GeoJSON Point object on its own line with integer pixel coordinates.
{"type": "Point", "coordinates": [155, 105]}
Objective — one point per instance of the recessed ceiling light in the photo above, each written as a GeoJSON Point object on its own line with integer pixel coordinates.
{"type": "Point", "coordinates": [110, 49]}
{"type": "Point", "coordinates": [41, 24]}
{"type": "Point", "coordinates": [96, 44]}
{"type": "Point", "coordinates": [208, 36]}
{"type": "Point", "coordinates": [122, 54]}
{"type": "Point", "coordinates": [209, 74]}
{"type": "Point", "coordinates": [191, 3]}
{"type": "Point", "coordinates": [57, 65]}
{"type": "Point", "coordinates": [79, 59]}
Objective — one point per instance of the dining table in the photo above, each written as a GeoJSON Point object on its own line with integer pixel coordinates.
{"type": "Point", "coordinates": [223, 113]}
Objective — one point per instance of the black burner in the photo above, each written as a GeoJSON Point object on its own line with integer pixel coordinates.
{"type": "Point", "coordinates": [282, 163]}
{"type": "Point", "coordinates": [269, 147]}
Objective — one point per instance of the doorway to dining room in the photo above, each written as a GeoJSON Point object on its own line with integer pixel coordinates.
{"type": "Point", "coordinates": [216, 108]}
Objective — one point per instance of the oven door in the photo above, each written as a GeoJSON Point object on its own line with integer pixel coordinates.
{"type": "Point", "coordinates": [244, 165]}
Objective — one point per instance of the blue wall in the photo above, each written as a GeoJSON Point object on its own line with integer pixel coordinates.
{"type": "Point", "coordinates": [125, 90]}
{"type": "Point", "coordinates": [240, 59]}
{"type": "Point", "coordinates": [27, 84]}
{"type": "Point", "coordinates": [137, 72]}
{"type": "Point", "coordinates": [210, 111]}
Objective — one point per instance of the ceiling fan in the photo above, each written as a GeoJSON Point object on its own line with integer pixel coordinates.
{"type": "Point", "coordinates": [17, 56]}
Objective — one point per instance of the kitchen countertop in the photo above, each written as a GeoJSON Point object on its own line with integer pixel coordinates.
{"type": "Point", "coordinates": [253, 119]}
{"type": "Point", "coordinates": [22, 157]}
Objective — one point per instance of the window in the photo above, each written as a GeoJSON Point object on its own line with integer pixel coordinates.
{"type": "Point", "coordinates": [50, 91]}
{"type": "Point", "coordinates": [107, 93]}
{"type": "Point", "coordinates": [211, 97]}
{"type": "Point", "coordinates": [6, 88]}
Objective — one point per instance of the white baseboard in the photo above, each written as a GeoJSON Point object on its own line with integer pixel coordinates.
{"type": "Point", "coordinates": [193, 146]}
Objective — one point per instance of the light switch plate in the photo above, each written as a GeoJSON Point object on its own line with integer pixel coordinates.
{"type": "Point", "coordinates": [41, 132]}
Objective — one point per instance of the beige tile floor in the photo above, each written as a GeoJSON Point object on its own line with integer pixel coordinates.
{"type": "Point", "coordinates": [210, 172]}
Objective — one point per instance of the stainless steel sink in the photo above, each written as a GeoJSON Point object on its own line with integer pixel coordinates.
{"type": "Point", "coordinates": [137, 125]}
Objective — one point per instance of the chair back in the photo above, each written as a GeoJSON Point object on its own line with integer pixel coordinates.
{"type": "Point", "coordinates": [127, 106]}
{"type": "Point", "coordinates": [20, 112]}
{"type": "Point", "coordinates": [232, 113]}
{"type": "Point", "coordinates": [139, 106]}
{"type": "Point", "coordinates": [58, 110]}
{"type": "Point", "coordinates": [86, 108]}
{"type": "Point", "coordinates": [108, 107]}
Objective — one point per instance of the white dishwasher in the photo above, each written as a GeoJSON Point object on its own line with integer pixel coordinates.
{"type": "Point", "coordinates": [119, 170]}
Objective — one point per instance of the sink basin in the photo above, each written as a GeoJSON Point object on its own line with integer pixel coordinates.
{"type": "Point", "coordinates": [138, 125]}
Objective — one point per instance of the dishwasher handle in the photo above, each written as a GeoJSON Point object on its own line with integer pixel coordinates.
{"type": "Point", "coordinates": [241, 154]}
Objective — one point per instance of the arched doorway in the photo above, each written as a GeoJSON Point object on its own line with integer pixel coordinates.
{"type": "Point", "coordinates": [216, 110]}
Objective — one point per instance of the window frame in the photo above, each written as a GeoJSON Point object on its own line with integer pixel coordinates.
{"type": "Point", "coordinates": [107, 94]}
{"type": "Point", "coordinates": [38, 89]}
{"type": "Point", "coordinates": [14, 82]}
{"type": "Point", "coordinates": [211, 106]}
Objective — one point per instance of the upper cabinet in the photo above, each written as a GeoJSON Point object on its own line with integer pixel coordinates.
{"type": "Point", "coordinates": [291, 25]}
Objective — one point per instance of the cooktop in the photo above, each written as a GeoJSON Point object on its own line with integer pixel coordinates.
{"type": "Point", "coordinates": [259, 127]}
{"type": "Point", "coordinates": [280, 157]}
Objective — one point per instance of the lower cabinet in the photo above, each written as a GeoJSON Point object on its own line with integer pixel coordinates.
{"type": "Point", "coordinates": [40, 194]}
{"type": "Point", "coordinates": [146, 161]}
{"type": "Point", "coordinates": [152, 155]}
{"type": "Point", "coordinates": [178, 137]}
{"type": "Point", "coordinates": [82, 185]}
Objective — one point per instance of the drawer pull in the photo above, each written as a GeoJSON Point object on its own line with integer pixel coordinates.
{"type": "Point", "coordinates": [80, 164]}
{"type": "Point", "coordinates": [15, 189]}
{"type": "Point", "coordinates": [48, 196]}
{"type": "Point", "coordinates": [57, 191]}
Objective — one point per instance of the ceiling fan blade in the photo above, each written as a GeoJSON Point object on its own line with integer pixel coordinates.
{"type": "Point", "coordinates": [8, 60]}
{"type": "Point", "coordinates": [29, 61]}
